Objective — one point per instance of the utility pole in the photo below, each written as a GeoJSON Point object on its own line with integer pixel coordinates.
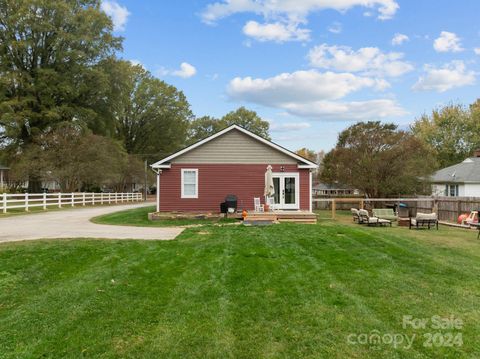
{"type": "Point", "coordinates": [145, 184]}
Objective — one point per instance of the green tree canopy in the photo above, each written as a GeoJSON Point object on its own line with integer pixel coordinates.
{"type": "Point", "coordinates": [151, 116]}
{"type": "Point", "coordinates": [308, 154]}
{"type": "Point", "coordinates": [452, 132]}
{"type": "Point", "coordinates": [249, 120]}
{"type": "Point", "coordinates": [378, 159]}
{"type": "Point", "coordinates": [75, 158]}
{"type": "Point", "coordinates": [205, 126]}
{"type": "Point", "coordinates": [50, 55]}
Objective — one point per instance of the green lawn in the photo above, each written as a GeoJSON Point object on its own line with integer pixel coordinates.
{"type": "Point", "coordinates": [282, 291]}
{"type": "Point", "coordinates": [139, 217]}
{"type": "Point", "coordinates": [53, 207]}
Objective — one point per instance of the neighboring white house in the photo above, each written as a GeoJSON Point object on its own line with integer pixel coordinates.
{"type": "Point", "coordinates": [3, 176]}
{"type": "Point", "coordinates": [460, 180]}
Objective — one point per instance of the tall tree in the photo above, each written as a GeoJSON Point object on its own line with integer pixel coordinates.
{"type": "Point", "coordinates": [151, 117]}
{"type": "Point", "coordinates": [452, 132]}
{"type": "Point", "coordinates": [50, 53]}
{"type": "Point", "coordinates": [378, 159]}
{"type": "Point", "coordinates": [205, 126]}
{"type": "Point", "coordinates": [249, 120]}
{"type": "Point", "coordinates": [308, 154]}
{"type": "Point", "coordinates": [74, 157]}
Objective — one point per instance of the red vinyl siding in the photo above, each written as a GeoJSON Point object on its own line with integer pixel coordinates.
{"type": "Point", "coordinates": [215, 181]}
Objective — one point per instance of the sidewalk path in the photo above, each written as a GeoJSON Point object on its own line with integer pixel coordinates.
{"type": "Point", "coordinates": [75, 223]}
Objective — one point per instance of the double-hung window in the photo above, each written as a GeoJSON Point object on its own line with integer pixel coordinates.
{"type": "Point", "coordinates": [189, 183]}
{"type": "Point", "coordinates": [451, 190]}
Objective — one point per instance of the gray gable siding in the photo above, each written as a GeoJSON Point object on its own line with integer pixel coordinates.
{"type": "Point", "coordinates": [234, 147]}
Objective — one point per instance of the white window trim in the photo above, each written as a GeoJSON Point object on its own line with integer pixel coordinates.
{"type": "Point", "coordinates": [448, 190]}
{"type": "Point", "coordinates": [282, 175]}
{"type": "Point", "coordinates": [196, 183]}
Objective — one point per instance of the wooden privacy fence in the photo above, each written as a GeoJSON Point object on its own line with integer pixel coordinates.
{"type": "Point", "coordinates": [45, 200]}
{"type": "Point", "coordinates": [369, 203]}
{"type": "Point", "coordinates": [325, 202]}
{"type": "Point", "coordinates": [447, 208]}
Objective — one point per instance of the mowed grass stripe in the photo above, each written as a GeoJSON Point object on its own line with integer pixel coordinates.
{"type": "Point", "coordinates": [90, 298]}
{"type": "Point", "coordinates": [347, 301]}
{"type": "Point", "coordinates": [195, 314]}
{"type": "Point", "coordinates": [232, 291]}
{"type": "Point", "coordinates": [396, 286]}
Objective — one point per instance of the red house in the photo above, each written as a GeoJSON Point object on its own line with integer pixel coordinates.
{"type": "Point", "coordinates": [232, 161]}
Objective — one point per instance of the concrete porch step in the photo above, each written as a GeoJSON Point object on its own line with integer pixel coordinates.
{"type": "Point", "coordinates": [261, 215]}
{"type": "Point", "coordinates": [259, 222]}
{"type": "Point", "coordinates": [296, 216]}
{"type": "Point", "coordinates": [282, 216]}
{"type": "Point", "coordinates": [299, 220]}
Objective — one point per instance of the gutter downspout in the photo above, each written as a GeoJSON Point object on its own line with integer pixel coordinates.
{"type": "Point", "coordinates": [158, 173]}
{"type": "Point", "coordinates": [310, 191]}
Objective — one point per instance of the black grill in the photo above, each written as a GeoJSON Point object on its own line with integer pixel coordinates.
{"type": "Point", "coordinates": [230, 202]}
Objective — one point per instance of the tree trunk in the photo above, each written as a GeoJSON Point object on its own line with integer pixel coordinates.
{"type": "Point", "coordinates": [34, 184]}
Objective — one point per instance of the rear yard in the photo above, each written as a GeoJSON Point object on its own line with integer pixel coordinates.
{"type": "Point", "coordinates": [286, 290]}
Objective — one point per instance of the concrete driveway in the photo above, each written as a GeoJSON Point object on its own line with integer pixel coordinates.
{"type": "Point", "coordinates": [75, 223]}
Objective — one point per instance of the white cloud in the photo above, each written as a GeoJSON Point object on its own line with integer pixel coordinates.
{"type": "Point", "coordinates": [282, 18]}
{"type": "Point", "coordinates": [335, 28]}
{"type": "Point", "coordinates": [399, 39]}
{"type": "Point", "coordinates": [119, 14]}
{"type": "Point", "coordinates": [368, 60]}
{"type": "Point", "coordinates": [295, 10]}
{"type": "Point", "coordinates": [348, 111]}
{"type": "Point", "coordinates": [186, 71]}
{"type": "Point", "coordinates": [314, 94]}
{"type": "Point", "coordinates": [477, 50]}
{"type": "Point", "coordinates": [288, 126]}
{"type": "Point", "coordinates": [451, 75]}
{"type": "Point", "coordinates": [447, 42]}
{"type": "Point", "coordinates": [300, 87]}
{"type": "Point", "coordinates": [277, 31]}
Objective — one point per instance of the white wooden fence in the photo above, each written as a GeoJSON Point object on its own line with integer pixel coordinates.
{"type": "Point", "coordinates": [45, 200]}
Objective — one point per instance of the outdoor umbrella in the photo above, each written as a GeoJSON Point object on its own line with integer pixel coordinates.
{"type": "Point", "coordinates": [269, 188]}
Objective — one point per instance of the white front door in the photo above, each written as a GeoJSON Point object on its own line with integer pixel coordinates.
{"type": "Point", "coordinates": [287, 190]}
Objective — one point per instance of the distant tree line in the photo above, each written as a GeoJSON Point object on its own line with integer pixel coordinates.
{"type": "Point", "coordinates": [382, 160]}
{"type": "Point", "coordinates": [72, 112]}
{"type": "Point", "coordinates": [451, 132]}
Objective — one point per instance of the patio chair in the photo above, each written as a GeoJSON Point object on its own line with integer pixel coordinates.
{"type": "Point", "coordinates": [422, 220]}
{"type": "Point", "coordinates": [372, 221]}
{"type": "Point", "coordinates": [384, 213]}
{"type": "Point", "coordinates": [257, 205]}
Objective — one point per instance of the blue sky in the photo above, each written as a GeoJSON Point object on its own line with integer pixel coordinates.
{"type": "Point", "coordinates": [310, 67]}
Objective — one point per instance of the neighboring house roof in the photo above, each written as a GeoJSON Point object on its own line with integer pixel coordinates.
{"type": "Point", "coordinates": [325, 186]}
{"type": "Point", "coordinates": [3, 167]}
{"type": "Point", "coordinates": [304, 163]}
{"type": "Point", "coordinates": [466, 172]}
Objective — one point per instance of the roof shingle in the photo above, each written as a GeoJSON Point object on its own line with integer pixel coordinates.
{"type": "Point", "coordinates": [467, 171]}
